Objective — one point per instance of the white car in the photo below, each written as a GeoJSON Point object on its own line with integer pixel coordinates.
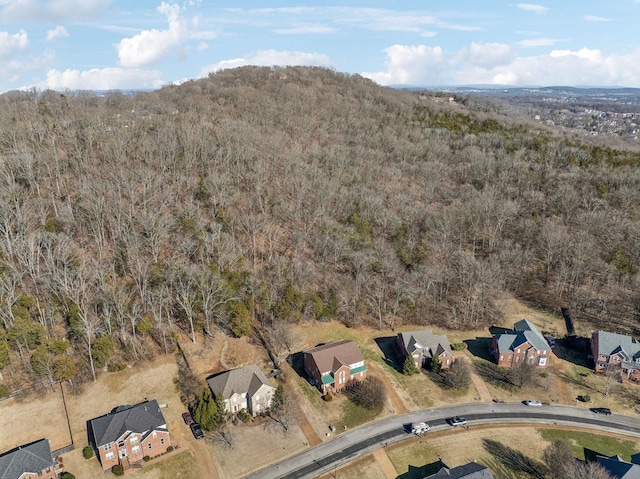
{"type": "Point", "coordinates": [533, 402]}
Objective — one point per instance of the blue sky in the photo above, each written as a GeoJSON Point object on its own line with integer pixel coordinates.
{"type": "Point", "coordinates": [115, 44]}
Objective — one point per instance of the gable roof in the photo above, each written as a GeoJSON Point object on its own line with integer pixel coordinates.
{"type": "Point", "coordinates": [619, 468]}
{"type": "Point", "coordinates": [425, 342]}
{"type": "Point", "coordinates": [33, 457]}
{"type": "Point", "coordinates": [611, 343]}
{"type": "Point", "coordinates": [335, 354]}
{"type": "Point", "coordinates": [471, 470]}
{"type": "Point", "coordinates": [247, 379]}
{"type": "Point", "coordinates": [523, 332]}
{"type": "Point", "coordinates": [140, 418]}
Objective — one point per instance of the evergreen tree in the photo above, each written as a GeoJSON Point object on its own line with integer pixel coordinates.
{"type": "Point", "coordinates": [409, 367]}
{"type": "Point", "coordinates": [209, 412]}
{"type": "Point", "coordinates": [435, 365]}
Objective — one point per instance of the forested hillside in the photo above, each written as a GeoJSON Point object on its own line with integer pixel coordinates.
{"type": "Point", "coordinates": [258, 197]}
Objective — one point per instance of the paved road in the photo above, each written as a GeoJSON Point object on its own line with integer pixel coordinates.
{"type": "Point", "coordinates": [361, 441]}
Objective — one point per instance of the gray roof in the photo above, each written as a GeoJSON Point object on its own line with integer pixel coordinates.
{"type": "Point", "coordinates": [140, 418]}
{"type": "Point", "coordinates": [425, 342]}
{"type": "Point", "coordinates": [611, 343]}
{"type": "Point", "coordinates": [471, 470]}
{"type": "Point", "coordinates": [247, 379]}
{"type": "Point", "coordinates": [618, 468]}
{"type": "Point", "coordinates": [33, 457]}
{"type": "Point", "coordinates": [523, 331]}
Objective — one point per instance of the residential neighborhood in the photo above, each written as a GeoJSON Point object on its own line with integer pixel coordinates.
{"type": "Point", "coordinates": [523, 344]}
{"type": "Point", "coordinates": [243, 388]}
{"type": "Point", "coordinates": [335, 366]}
{"type": "Point", "coordinates": [423, 346]}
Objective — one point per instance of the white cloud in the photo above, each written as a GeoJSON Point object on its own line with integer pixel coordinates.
{"type": "Point", "coordinates": [538, 42]}
{"type": "Point", "coordinates": [486, 55]}
{"type": "Point", "coordinates": [271, 58]}
{"type": "Point", "coordinates": [58, 32]}
{"type": "Point", "coordinates": [11, 44]}
{"type": "Point", "coordinates": [305, 29]}
{"type": "Point", "coordinates": [595, 18]}
{"type": "Point", "coordinates": [202, 46]}
{"type": "Point", "coordinates": [151, 46]}
{"type": "Point", "coordinates": [50, 10]}
{"type": "Point", "coordinates": [532, 7]}
{"type": "Point", "coordinates": [496, 64]}
{"type": "Point", "coordinates": [411, 65]}
{"type": "Point", "coordinates": [101, 79]}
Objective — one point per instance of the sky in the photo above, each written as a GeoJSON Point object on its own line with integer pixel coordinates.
{"type": "Point", "coordinates": [143, 44]}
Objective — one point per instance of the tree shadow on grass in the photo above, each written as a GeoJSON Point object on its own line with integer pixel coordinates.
{"type": "Point", "coordinates": [495, 375]}
{"type": "Point", "coordinates": [515, 460]}
{"type": "Point", "coordinates": [389, 348]}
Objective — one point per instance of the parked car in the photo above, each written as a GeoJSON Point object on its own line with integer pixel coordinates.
{"type": "Point", "coordinates": [196, 430]}
{"type": "Point", "coordinates": [457, 421]}
{"type": "Point", "coordinates": [533, 402]}
{"type": "Point", "coordinates": [188, 420]}
{"type": "Point", "coordinates": [601, 410]}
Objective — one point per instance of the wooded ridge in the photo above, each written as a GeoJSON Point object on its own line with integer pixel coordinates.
{"type": "Point", "coordinates": [258, 197]}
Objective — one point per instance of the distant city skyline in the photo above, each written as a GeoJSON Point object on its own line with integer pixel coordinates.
{"type": "Point", "coordinates": [143, 44]}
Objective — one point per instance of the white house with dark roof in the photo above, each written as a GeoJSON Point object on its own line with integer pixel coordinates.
{"type": "Point", "coordinates": [243, 388]}
{"type": "Point", "coordinates": [524, 344]}
{"type": "Point", "coordinates": [616, 351]}
{"type": "Point", "coordinates": [423, 345]}
{"type": "Point", "coordinates": [129, 433]}
{"type": "Point", "coordinates": [33, 460]}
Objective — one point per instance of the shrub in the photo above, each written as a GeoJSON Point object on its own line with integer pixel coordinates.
{"type": "Point", "coordinates": [244, 415]}
{"type": "Point", "coordinates": [67, 475]}
{"type": "Point", "coordinates": [4, 392]}
{"type": "Point", "coordinates": [146, 458]}
{"type": "Point", "coordinates": [114, 368]}
{"type": "Point", "coordinates": [87, 452]}
{"type": "Point", "coordinates": [459, 346]}
{"type": "Point", "coordinates": [170, 448]}
{"type": "Point", "coordinates": [327, 397]}
{"type": "Point", "coordinates": [586, 398]}
{"type": "Point", "coordinates": [118, 470]}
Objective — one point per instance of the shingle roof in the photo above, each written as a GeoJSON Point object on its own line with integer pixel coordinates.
{"type": "Point", "coordinates": [344, 352]}
{"type": "Point", "coordinates": [33, 457]}
{"type": "Point", "coordinates": [471, 470]}
{"type": "Point", "coordinates": [423, 339]}
{"type": "Point", "coordinates": [247, 379]}
{"type": "Point", "coordinates": [618, 468]}
{"type": "Point", "coordinates": [140, 418]}
{"type": "Point", "coordinates": [610, 343]}
{"type": "Point", "coordinates": [524, 331]}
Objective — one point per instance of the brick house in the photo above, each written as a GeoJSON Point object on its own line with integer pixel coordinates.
{"type": "Point", "coordinates": [243, 388]}
{"type": "Point", "coordinates": [616, 351]}
{"type": "Point", "coordinates": [335, 365]}
{"type": "Point", "coordinates": [29, 461]}
{"type": "Point", "coordinates": [129, 433]}
{"type": "Point", "coordinates": [523, 344]}
{"type": "Point", "coordinates": [423, 345]}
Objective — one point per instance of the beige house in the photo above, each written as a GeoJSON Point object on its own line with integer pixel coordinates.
{"type": "Point", "coordinates": [335, 366]}
{"type": "Point", "coordinates": [243, 388]}
{"type": "Point", "coordinates": [129, 433]}
{"type": "Point", "coordinates": [423, 345]}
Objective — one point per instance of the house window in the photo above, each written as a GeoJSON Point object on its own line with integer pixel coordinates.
{"type": "Point", "coordinates": [162, 440]}
{"type": "Point", "coordinates": [501, 357]}
{"type": "Point", "coordinates": [542, 361]}
{"type": "Point", "coordinates": [154, 434]}
{"type": "Point", "coordinates": [517, 358]}
{"type": "Point", "coordinates": [343, 376]}
{"type": "Point", "coordinates": [531, 359]}
{"type": "Point", "coordinates": [150, 446]}
{"type": "Point", "coordinates": [518, 350]}
{"type": "Point", "coordinates": [134, 440]}
{"type": "Point", "coordinates": [135, 450]}
{"type": "Point", "coordinates": [107, 447]}
{"type": "Point", "coordinates": [108, 456]}
{"type": "Point", "coordinates": [121, 444]}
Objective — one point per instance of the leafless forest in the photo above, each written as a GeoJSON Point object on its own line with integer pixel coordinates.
{"type": "Point", "coordinates": [259, 197]}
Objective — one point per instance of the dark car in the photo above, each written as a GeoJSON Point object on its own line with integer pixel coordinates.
{"type": "Point", "coordinates": [457, 421]}
{"type": "Point", "coordinates": [601, 410]}
{"type": "Point", "coordinates": [188, 420]}
{"type": "Point", "coordinates": [196, 430]}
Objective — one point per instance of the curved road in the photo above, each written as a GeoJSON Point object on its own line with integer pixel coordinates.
{"type": "Point", "coordinates": [361, 441]}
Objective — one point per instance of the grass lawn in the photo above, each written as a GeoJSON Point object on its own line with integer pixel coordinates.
{"type": "Point", "coordinates": [585, 445]}
{"type": "Point", "coordinates": [180, 465]}
{"type": "Point", "coordinates": [354, 415]}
